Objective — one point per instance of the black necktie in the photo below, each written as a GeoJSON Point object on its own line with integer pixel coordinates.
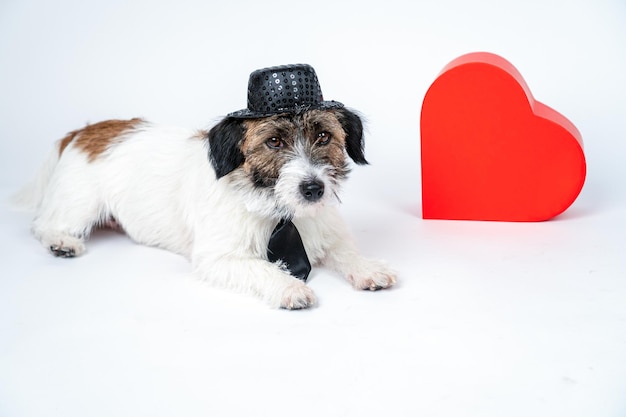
{"type": "Point", "coordinates": [286, 245]}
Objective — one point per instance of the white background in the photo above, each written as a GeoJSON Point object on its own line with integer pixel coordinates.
{"type": "Point", "coordinates": [488, 319]}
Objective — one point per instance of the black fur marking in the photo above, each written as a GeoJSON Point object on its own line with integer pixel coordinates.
{"type": "Point", "coordinates": [224, 146]}
{"type": "Point", "coordinates": [353, 126]}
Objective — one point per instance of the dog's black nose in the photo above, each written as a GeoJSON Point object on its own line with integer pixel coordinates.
{"type": "Point", "coordinates": [312, 190]}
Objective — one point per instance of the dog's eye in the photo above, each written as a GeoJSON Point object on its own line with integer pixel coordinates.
{"type": "Point", "coordinates": [323, 138]}
{"type": "Point", "coordinates": [275, 143]}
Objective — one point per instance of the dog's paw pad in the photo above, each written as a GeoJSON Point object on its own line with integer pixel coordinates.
{"type": "Point", "coordinates": [62, 252]}
{"type": "Point", "coordinates": [68, 247]}
{"type": "Point", "coordinates": [297, 296]}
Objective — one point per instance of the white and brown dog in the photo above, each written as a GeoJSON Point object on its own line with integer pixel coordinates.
{"type": "Point", "coordinates": [281, 159]}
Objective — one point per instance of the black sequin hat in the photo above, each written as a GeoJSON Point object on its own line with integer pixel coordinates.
{"type": "Point", "coordinates": [283, 89]}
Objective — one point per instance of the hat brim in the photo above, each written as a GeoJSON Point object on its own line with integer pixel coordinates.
{"type": "Point", "coordinates": [249, 114]}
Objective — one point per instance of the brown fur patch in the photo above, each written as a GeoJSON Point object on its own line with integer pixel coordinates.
{"type": "Point", "coordinates": [261, 162]}
{"type": "Point", "coordinates": [66, 141]}
{"type": "Point", "coordinates": [95, 139]}
{"type": "Point", "coordinates": [327, 121]}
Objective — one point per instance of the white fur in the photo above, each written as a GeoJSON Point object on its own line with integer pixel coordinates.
{"type": "Point", "coordinates": [160, 187]}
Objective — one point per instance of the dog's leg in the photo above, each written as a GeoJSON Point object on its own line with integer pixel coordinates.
{"type": "Point", "coordinates": [68, 211]}
{"type": "Point", "coordinates": [329, 243]}
{"type": "Point", "coordinates": [62, 233]}
{"type": "Point", "coordinates": [268, 281]}
{"type": "Point", "coordinates": [344, 257]}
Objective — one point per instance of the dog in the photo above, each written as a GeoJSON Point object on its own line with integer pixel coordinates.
{"type": "Point", "coordinates": [217, 196]}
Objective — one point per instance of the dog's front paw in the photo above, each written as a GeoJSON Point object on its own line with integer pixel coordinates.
{"type": "Point", "coordinates": [373, 276]}
{"type": "Point", "coordinates": [297, 296]}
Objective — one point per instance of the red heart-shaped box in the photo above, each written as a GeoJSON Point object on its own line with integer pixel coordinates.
{"type": "Point", "coordinates": [490, 151]}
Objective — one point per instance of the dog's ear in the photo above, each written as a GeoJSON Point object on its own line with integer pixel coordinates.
{"type": "Point", "coordinates": [225, 146]}
{"type": "Point", "coordinates": [353, 126]}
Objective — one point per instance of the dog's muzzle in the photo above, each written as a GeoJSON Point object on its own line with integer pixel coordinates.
{"type": "Point", "coordinates": [312, 190]}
